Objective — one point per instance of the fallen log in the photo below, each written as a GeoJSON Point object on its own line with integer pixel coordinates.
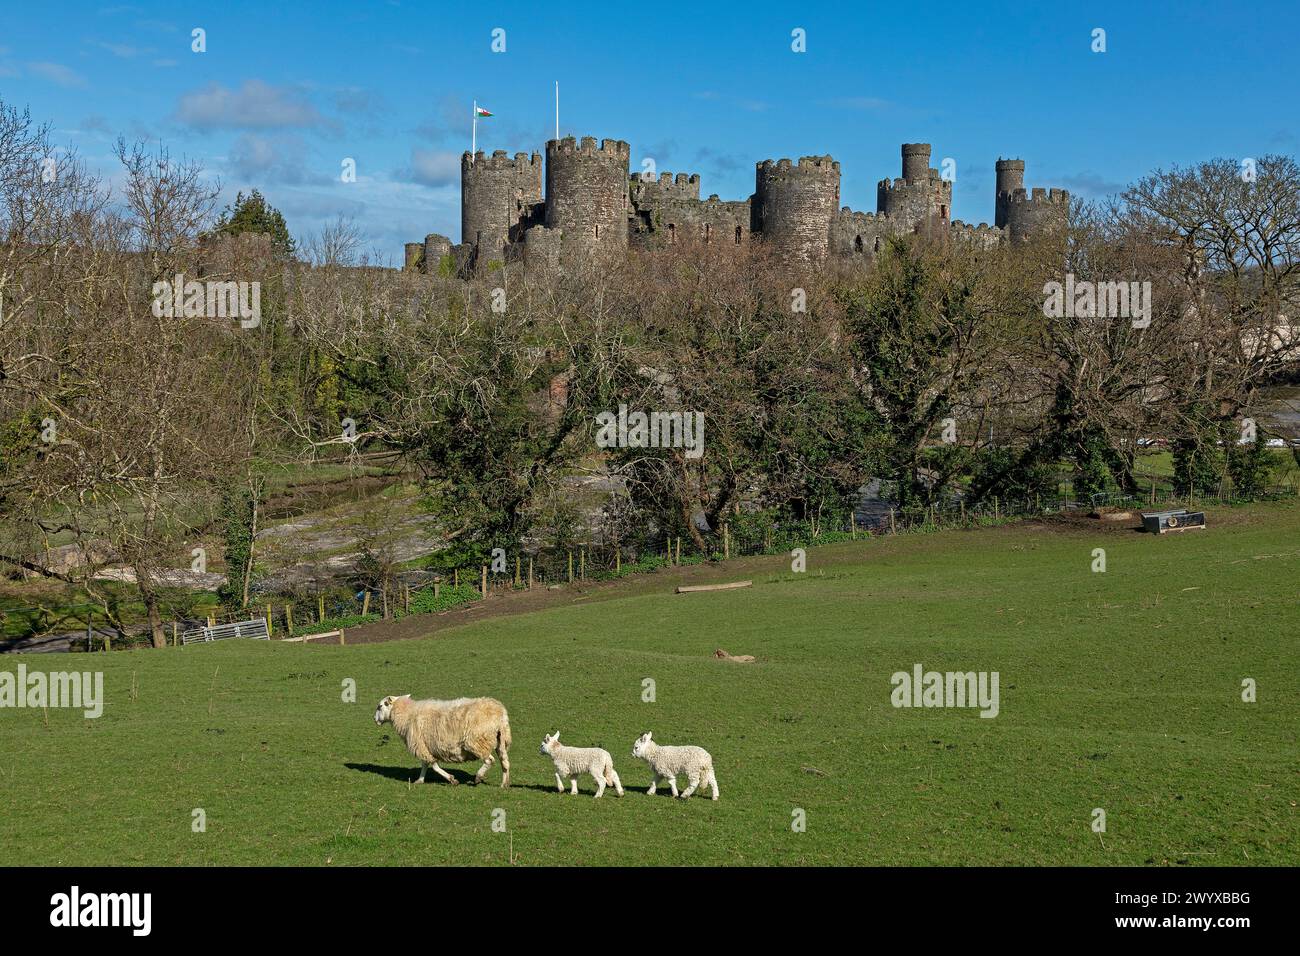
{"type": "Point", "coordinates": [689, 588]}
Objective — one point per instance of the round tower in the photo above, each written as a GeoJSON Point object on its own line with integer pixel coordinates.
{"type": "Point", "coordinates": [414, 255]}
{"type": "Point", "coordinates": [496, 196]}
{"type": "Point", "coordinates": [916, 162]}
{"type": "Point", "coordinates": [793, 205]}
{"type": "Point", "coordinates": [1036, 213]}
{"type": "Point", "coordinates": [436, 249]}
{"type": "Point", "coordinates": [587, 192]}
{"type": "Point", "coordinates": [1010, 177]}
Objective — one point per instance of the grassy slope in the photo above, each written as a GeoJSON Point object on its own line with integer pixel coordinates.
{"type": "Point", "coordinates": [1119, 690]}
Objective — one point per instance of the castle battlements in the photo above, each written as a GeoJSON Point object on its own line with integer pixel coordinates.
{"type": "Point", "coordinates": [1039, 194]}
{"type": "Point", "coordinates": [592, 204]}
{"type": "Point", "coordinates": [499, 161]}
{"type": "Point", "coordinates": [614, 150]}
{"type": "Point", "coordinates": [982, 235]}
{"type": "Point", "coordinates": [850, 214]}
{"type": "Point", "coordinates": [810, 163]}
{"type": "Point", "coordinates": [684, 187]}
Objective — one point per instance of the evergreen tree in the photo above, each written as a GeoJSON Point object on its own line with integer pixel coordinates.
{"type": "Point", "coordinates": [252, 213]}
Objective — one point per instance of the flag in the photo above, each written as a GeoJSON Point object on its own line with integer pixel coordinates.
{"type": "Point", "coordinates": [480, 111]}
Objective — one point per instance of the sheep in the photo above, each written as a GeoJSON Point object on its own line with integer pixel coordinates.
{"type": "Point", "coordinates": [468, 728]}
{"type": "Point", "coordinates": [668, 762]}
{"type": "Point", "coordinates": [571, 761]}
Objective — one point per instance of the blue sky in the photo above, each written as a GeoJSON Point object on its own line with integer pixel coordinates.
{"type": "Point", "coordinates": [285, 92]}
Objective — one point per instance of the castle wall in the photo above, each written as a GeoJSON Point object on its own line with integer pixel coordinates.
{"type": "Point", "coordinates": [794, 204]}
{"type": "Point", "coordinates": [712, 220]}
{"type": "Point", "coordinates": [591, 204]}
{"type": "Point", "coordinates": [982, 236]}
{"type": "Point", "coordinates": [858, 234]}
{"type": "Point", "coordinates": [646, 193]}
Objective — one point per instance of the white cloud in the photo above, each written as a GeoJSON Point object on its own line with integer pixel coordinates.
{"type": "Point", "coordinates": [255, 105]}
{"type": "Point", "coordinates": [57, 73]}
{"type": "Point", "coordinates": [431, 167]}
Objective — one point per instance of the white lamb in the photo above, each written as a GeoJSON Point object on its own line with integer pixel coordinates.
{"type": "Point", "coordinates": [668, 762]}
{"type": "Point", "coordinates": [572, 761]}
{"type": "Point", "coordinates": [468, 728]}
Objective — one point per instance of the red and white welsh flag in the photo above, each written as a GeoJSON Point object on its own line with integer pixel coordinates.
{"type": "Point", "coordinates": [480, 111]}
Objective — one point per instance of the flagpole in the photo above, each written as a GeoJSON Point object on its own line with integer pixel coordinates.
{"type": "Point", "coordinates": [557, 109]}
{"type": "Point", "coordinates": [473, 136]}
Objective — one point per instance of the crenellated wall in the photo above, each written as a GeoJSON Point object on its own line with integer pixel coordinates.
{"type": "Point", "coordinates": [591, 204]}
{"type": "Point", "coordinates": [858, 234]}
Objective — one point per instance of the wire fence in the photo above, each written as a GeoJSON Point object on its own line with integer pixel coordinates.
{"type": "Point", "coordinates": [742, 534]}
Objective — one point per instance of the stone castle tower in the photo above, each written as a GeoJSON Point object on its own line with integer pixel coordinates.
{"type": "Point", "coordinates": [592, 207]}
{"type": "Point", "coordinates": [794, 203]}
{"type": "Point", "coordinates": [587, 194]}
{"type": "Point", "coordinates": [1022, 213]}
{"type": "Point", "coordinates": [498, 197]}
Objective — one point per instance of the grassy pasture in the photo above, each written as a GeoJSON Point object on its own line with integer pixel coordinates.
{"type": "Point", "coordinates": [1119, 690]}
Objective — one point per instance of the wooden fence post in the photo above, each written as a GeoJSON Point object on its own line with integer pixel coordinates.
{"type": "Point", "coordinates": [342, 639]}
{"type": "Point", "coordinates": [517, 577]}
{"type": "Point", "coordinates": [530, 572]}
{"type": "Point", "coordinates": [582, 564]}
{"type": "Point", "coordinates": [483, 580]}
{"type": "Point", "coordinates": [320, 608]}
{"type": "Point", "coordinates": [436, 588]}
{"type": "Point", "coordinates": [570, 567]}
{"type": "Point", "coordinates": [270, 629]}
{"type": "Point", "coordinates": [455, 578]}
{"type": "Point", "coordinates": [406, 597]}
{"type": "Point", "coordinates": [669, 544]}
{"type": "Point", "coordinates": [288, 616]}
{"type": "Point", "coordinates": [176, 637]}
{"type": "Point", "coordinates": [679, 549]}
{"type": "Point", "coordinates": [365, 603]}
{"type": "Point", "coordinates": [726, 541]}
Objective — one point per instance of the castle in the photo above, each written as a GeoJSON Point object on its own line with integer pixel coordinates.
{"type": "Point", "coordinates": [591, 206]}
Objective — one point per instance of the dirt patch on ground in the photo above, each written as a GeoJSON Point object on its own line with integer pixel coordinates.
{"type": "Point", "coordinates": [296, 500]}
{"type": "Point", "coordinates": [503, 603]}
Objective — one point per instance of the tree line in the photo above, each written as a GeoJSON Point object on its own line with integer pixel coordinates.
{"type": "Point", "coordinates": [935, 365]}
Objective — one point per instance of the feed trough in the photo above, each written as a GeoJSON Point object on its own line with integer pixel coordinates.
{"type": "Point", "coordinates": [1158, 522]}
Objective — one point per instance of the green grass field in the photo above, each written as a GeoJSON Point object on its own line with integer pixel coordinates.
{"type": "Point", "coordinates": [1119, 690]}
